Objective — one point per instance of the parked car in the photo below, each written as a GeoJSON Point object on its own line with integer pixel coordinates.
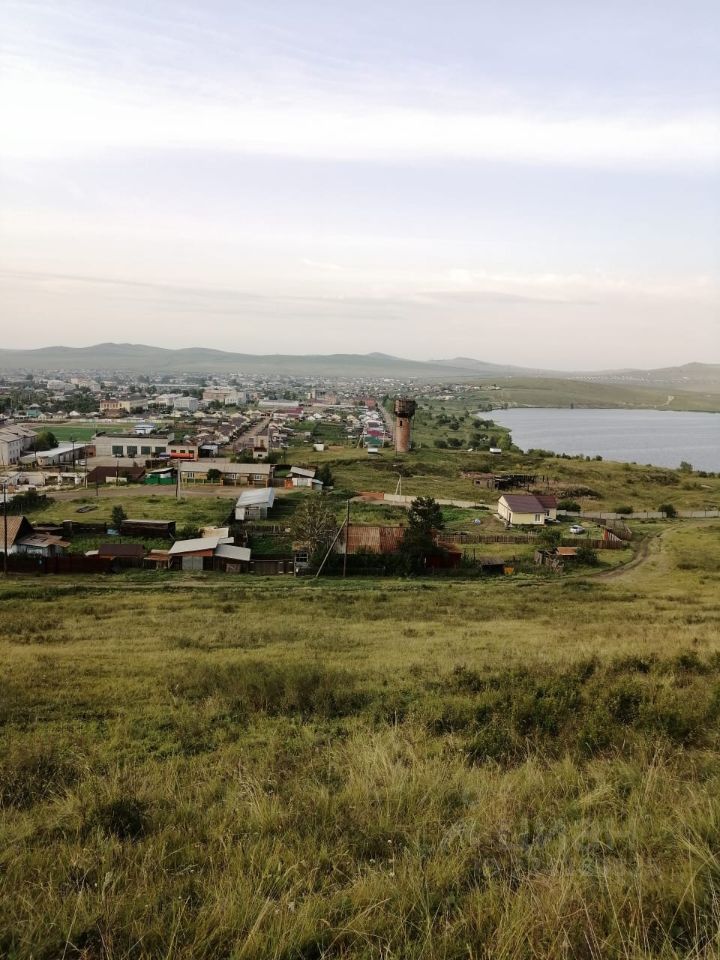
{"type": "Point", "coordinates": [576, 528]}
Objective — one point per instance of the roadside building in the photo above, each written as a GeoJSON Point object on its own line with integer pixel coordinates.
{"type": "Point", "coordinates": [193, 554]}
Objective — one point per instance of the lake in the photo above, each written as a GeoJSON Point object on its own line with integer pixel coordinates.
{"type": "Point", "coordinates": [660, 437]}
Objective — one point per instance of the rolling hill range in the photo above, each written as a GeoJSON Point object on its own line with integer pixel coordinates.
{"type": "Point", "coordinates": [645, 387]}
{"type": "Point", "coordinates": [139, 358]}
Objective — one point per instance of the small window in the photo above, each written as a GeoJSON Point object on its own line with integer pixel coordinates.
{"type": "Point", "coordinates": [146, 450]}
{"type": "Point", "coordinates": [117, 451]}
{"type": "Point", "coordinates": [132, 451]}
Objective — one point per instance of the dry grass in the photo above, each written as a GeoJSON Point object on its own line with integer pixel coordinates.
{"type": "Point", "coordinates": [421, 769]}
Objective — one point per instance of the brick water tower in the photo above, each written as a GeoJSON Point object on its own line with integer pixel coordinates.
{"type": "Point", "coordinates": [404, 412]}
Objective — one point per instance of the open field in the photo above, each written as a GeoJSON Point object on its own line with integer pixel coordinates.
{"type": "Point", "coordinates": [204, 767]}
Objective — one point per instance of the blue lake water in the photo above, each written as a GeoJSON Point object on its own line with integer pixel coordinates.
{"type": "Point", "coordinates": [660, 437]}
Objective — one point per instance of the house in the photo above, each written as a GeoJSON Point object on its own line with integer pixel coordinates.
{"type": "Point", "coordinates": [22, 538]}
{"type": "Point", "coordinates": [527, 509]}
{"type": "Point", "coordinates": [193, 554]}
{"type": "Point", "coordinates": [300, 477]}
{"type": "Point", "coordinates": [254, 504]}
{"type": "Point", "coordinates": [238, 474]}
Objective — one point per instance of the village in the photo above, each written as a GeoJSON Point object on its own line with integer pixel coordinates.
{"type": "Point", "coordinates": [228, 479]}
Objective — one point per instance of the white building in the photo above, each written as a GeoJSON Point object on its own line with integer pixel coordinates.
{"type": "Point", "coordinates": [14, 440]}
{"type": "Point", "coordinates": [254, 504]}
{"type": "Point", "coordinates": [189, 404]}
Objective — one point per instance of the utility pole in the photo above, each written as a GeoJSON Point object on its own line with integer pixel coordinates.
{"type": "Point", "coordinates": [347, 538]}
{"type": "Point", "coordinates": [177, 479]}
{"type": "Point", "coordinates": [5, 536]}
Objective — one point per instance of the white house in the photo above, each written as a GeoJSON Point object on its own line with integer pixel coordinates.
{"type": "Point", "coordinates": [527, 509]}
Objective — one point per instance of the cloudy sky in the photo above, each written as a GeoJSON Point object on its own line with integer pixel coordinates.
{"type": "Point", "coordinates": [524, 182]}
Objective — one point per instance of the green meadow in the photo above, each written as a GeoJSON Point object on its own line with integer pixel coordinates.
{"type": "Point", "coordinates": [206, 766]}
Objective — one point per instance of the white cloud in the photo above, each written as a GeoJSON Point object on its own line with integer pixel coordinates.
{"type": "Point", "coordinates": [52, 115]}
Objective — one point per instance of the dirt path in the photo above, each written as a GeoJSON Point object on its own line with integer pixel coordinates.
{"type": "Point", "coordinates": [650, 546]}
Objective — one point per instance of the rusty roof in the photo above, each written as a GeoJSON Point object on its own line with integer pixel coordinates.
{"type": "Point", "coordinates": [15, 527]}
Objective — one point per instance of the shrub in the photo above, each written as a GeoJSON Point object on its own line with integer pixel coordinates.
{"type": "Point", "coordinates": [568, 504]}
{"type": "Point", "coordinates": [587, 555]}
{"type": "Point", "coordinates": [668, 509]}
{"type": "Point", "coordinates": [624, 509]}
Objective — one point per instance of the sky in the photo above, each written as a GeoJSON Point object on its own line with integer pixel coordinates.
{"type": "Point", "coordinates": [521, 182]}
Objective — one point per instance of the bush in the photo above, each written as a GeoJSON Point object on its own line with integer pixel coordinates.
{"type": "Point", "coordinates": [567, 504]}
{"type": "Point", "coordinates": [587, 555]}
{"type": "Point", "coordinates": [624, 509]}
{"type": "Point", "coordinates": [668, 509]}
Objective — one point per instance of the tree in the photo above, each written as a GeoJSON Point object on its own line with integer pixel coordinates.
{"type": "Point", "coordinates": [214, 475]}
{"type": "Point", "coordinates": [425, 519]}
{"type": "Point", "coordinates": [324, 475]}
{"type": "Point", "coordinates": [118, 516]}
{"type": "Point", "coordinates": [668, 509]}
{"type": "Point", "coordinates": [425, 515]}
{"type": "Point", "coordinates": [685, 467]}
{"type": "Point", "coordinates": [550, 537]}
{"type": "Point", "coordinates": [314, 526]}
{"type": "Point", "coordinates": [45, 440]}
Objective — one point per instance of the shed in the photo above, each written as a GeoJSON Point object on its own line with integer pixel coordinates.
{"type": "Point", "coordinates": [254, 504]}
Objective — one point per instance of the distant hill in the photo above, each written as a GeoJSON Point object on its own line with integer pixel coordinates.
{"type": "Point", "coordinates": [690, 376]}
{"type": "Point", "coordinates": [139, 358]}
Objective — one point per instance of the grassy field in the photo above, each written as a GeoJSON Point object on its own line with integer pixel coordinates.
{"type": "Point", "coordinates": [202, 767]}
{"type": "Point", "coordinates": [548, 392]}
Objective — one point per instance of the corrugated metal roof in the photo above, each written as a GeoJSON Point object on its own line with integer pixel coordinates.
{"type": "Point", "coordinates": [228, 552]}
{"type": "Point", "coordinates": [197, 543]}
{"type": "Point", "coordinates": [15, 525]}
{"type": "Point", "coordinates": [302, 472]}
{"type": "Point", "coordinates": [263, 495]}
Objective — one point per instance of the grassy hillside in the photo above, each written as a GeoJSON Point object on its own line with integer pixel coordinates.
{"type": "Point", "coordinates": [554, 392]}
{"type": "Point", "coordinates": [219, 767]}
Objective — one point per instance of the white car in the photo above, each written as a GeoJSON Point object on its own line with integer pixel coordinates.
{"type": "Point", "coordinates": [576, 528]}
